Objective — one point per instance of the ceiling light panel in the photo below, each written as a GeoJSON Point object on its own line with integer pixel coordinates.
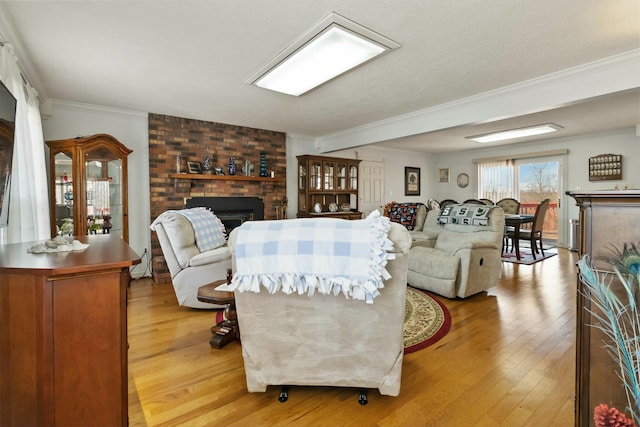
{"type": "Point", "coordinates": [516, 133]}
{"type": "Point", "coordinates": [328, 50]}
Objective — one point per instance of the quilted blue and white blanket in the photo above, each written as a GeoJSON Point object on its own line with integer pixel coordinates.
{"type": "Point", "coordinates": [209, 230]}
{"type": "Point", "coordinates": [304, 255]}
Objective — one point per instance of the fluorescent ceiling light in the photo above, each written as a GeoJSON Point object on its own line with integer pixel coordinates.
{"type": "Point", "coordinates": [516, 133]}
{"type": "Point", "coordinates": [331, 48]}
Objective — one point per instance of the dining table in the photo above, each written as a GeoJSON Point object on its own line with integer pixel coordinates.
{"type": "Point", "coordinates": [515, 221]}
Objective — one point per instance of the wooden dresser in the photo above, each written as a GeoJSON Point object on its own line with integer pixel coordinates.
{"type": "Point", "coordinates": [606, 217]}
{"type": "Point", "coordinates": [63, 334]}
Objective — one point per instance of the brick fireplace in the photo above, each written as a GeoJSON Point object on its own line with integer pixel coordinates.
{"type": "Point", "coordinates": [191, 140]}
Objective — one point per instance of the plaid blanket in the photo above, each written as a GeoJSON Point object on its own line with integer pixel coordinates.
{"type": "Point", "coordinates": [304, 255]}
{"type": "Point", "coordinates": [209, 230]}
{"type": "Point", "coordinates": [470, 214]}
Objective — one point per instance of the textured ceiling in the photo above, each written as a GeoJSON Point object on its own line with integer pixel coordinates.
{"type": "Point", "coordinates": [191, 59]}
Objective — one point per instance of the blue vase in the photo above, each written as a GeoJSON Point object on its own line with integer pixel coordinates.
{"type": "Point", "coordinates": [263, 164]}
{"type": "Point", "coordinates": [232, 166]}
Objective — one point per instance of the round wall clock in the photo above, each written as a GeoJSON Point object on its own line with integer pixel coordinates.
{"type": "Point", "coordinates": [463, 180]}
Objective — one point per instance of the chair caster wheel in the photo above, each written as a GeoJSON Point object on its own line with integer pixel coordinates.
{"type": "Point", "coordinates": [284, 395]}
{"type": "Point", "coordinates": [362, 398]}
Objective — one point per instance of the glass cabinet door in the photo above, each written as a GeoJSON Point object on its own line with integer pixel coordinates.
{"type": "Point", "coordinates": [63, 196]}
{"type": "Point", "coordinates": [341, 177]}
{"type": "Point", "coordinates": [316, 176]}
{"type": "Point", "coordinates": [353, 177]}
{"type": "Point", "coordinates": [104, 196]}
{"type": "Point", "coordinates": [329, 171]}
{"type": "Point", "coordinates": [302, 177]}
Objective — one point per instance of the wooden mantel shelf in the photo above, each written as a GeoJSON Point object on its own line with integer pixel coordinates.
{"type": "Point", "coordinates": [224, 177]}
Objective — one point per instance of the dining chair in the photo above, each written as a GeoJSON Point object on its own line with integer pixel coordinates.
{"type": "Point", "coordinates": [510, 206]}
{"type": "Point", "coordinates": [474, 202]}
{"type": "Point", "coordinates": [534, 235]}
{"type": "Point", "coordinates": [487, 202]}
{"type": "Point", "coordinates": [447, 202]}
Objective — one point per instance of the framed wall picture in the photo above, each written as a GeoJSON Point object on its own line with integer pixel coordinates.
{"type": "Point", "coordinates": [443, 175]}
{"type": "Point", "coordinates": [194, 167]}
{"type": "Point", "coordinates": [411, 181]}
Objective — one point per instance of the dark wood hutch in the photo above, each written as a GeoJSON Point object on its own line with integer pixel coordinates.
{"type": "Point", "coordinates": [607, 217]}
{"type": "Point", "coordinates": [328, 187]}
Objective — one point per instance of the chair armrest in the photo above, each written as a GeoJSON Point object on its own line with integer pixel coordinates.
{"type": "Point", "coordinates": [452, 241]}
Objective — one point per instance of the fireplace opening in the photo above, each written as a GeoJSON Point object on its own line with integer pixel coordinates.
{"type": "Point", "coordinates": [232, 211]}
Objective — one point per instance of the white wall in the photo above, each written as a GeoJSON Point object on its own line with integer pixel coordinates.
{"type": "Point", "coordinates": [68, 120]}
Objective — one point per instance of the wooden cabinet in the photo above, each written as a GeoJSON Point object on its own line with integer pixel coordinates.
{"type": "Point", "coordinates": [88, 186]}
{"type": "Point", "coordinates": [606, 218]}
{"type": "Point", "coordinates": [329, 183]}
{"type": "Point", "coordinates": [63, 334]}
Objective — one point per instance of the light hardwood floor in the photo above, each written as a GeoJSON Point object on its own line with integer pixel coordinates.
{"type": "Point", "coordinates": [507, 361]}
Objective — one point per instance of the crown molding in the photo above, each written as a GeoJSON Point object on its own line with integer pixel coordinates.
{"type": "Point", "coordinates": [71, 105]}
{"type": "Point", "coordinates": [609, 75]}
{"type": "Point", "coordinates": [8, 34]}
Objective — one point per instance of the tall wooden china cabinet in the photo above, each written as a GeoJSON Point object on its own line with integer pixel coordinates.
{"type": "Point", "coordinates": [328, 187]}
{"type": "Point", "coordinates": [88, 186]}
{"type": "Point", "coordinates": [607, 217]}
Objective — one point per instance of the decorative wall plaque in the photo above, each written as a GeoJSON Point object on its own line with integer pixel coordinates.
{"type": "Point", "coordinates": [605, 167]}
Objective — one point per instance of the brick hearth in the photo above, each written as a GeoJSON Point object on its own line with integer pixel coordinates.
{"type": "Point", "coordinates": [174, 136]}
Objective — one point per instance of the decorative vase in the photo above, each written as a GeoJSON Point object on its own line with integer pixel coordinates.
{"type": "Point", "coordinates": [263, 164]}
{"type": "Point", "coordinates": [232, 166]}
{"type": "Point", "coordinates": [248, 167]}
{"type": "Point", "coordinates": [206, 165]}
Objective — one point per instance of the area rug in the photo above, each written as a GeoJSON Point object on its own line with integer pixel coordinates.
{"type": "Point", "coordinates": [426, 320]}
{"type": "Point", "coordinates": [526, 257]}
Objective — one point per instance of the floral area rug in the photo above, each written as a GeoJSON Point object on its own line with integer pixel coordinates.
{"type": "Point", "coordinates": [426, 320]}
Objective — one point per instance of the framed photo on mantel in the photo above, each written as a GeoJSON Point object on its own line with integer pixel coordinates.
{"type": "Point", "coordinates": [194, 167]}
{"type": "Point", "coordinates": [411, 181]}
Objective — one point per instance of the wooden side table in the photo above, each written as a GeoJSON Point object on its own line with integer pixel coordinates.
{"type": "Point", "coordinates": [227, 330]}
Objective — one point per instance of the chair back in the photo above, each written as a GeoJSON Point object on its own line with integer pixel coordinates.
{"type": "Point", "coordinates": [447, 202]}
{"type": "Point", "coordinates": [487, 202]}
{"type": "Point", "coordinates": [509, 206]}
{"type": "Point", "coordinates": [474, 202]}
{"type": "Point", "coordinates": [538, 217]}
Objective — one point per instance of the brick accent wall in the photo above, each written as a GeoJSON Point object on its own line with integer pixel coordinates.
{"type": "Point", "coordinates": [190, 139]}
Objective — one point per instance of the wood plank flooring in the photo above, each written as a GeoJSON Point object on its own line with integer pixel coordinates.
{"type": "Point", "coordinates": [507, 361]}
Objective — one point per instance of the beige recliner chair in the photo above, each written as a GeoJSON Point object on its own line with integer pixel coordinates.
{"type": "Point", "coordinates": [459, 260]}
{"type": "Point", "coordinates": [189, 267]}
{"type": "Point", "coordinates": [326, 340]}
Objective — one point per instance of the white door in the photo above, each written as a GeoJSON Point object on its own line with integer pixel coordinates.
{"type": "Point", "coordinates": [371, 186]}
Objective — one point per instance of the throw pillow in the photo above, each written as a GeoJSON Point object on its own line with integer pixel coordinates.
{"type": "Point", "coordinates": [404, 214]}
{"type": "Point", "coordinates": [208, 229]}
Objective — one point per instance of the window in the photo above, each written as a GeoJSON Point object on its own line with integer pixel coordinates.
{"type": "Point", "coordinates": [496, 180]}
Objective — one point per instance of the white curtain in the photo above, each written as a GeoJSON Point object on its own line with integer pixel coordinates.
{"type": "Point", "coordinates": [28, 201]}
{"type": "Point", "coordinates": [496, 180]}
